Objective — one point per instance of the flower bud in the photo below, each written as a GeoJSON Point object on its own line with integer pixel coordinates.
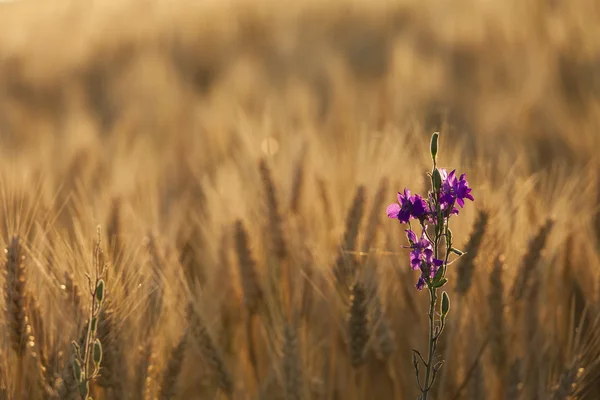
{"type": "Point", "coordinates": [434, 145]}
{"type": "Point", "coordinates": [436, 180]}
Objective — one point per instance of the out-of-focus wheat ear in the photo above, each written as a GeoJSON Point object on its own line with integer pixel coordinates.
{"type": "Point", "coordinates": [375, 215]}
{"type": "Point", "coordinates": [466, 264]}
{"type": "Point", "coordinates": [533, 336]}
{"type": "Point", "coordinates": [325, 203]}
{"type": "Point", "coordinates": [16, 307]}
{"type": "Point", "coordinates": [597, 216]}
{"type": "Point", "coordinates": [73, 295]}
{"type": "Point", "coordinates": [497, 321]}
{"type": "Point", "coordinates": [209, 351]}
{"type": "Point", "coordinates": [309, 279]}
{"type": "Point", "coordinates": [345, 265]}
{"type": "Point", "coordinates": [253, 294]}
{"type": "Point", "coordinates": [530, 260]}
{"type": "Point", "coordinates": [358, 325]}
{"type": "Point", "coordinates": [144, 371]}
{"type": "Point", "coordinates": [192, 263]}
{"type": "Point", "coordinates": [168, 386]}
{"type": "Point", "coordinates": [384, 343]}
{"type": "Point", "coordinates": [114, 366]}
{"type": "Point", "coordinates": [3, 387]}
{"type": "Point", "coordinates": [155, 300]}
{"type": "Point", "coordinates": [278, 244]}
{"type": "Point", "coordinates": [293, 378]}
{"type": "Point", "coordinates": [37, 342]}
{"type": "Point", "coordinates": [113, 232]}
{"type": "Point", "coordinates": [514, 386]}
{"type": "Point", "coordinates": [568, 382]}
{"type": "Point", "coordinates": [298, 183]}
{"type": "Point", "coordinates": [15, 297]}
{"type": "Point", "coordinates": [67, 386]}
{"type": "Point", "coordinates": [150, 383]}
{"type": "Point", "coordinates": [575, 296]}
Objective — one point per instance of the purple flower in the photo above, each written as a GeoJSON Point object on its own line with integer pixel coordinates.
{"type": "Point", "coordinates": [463, 191]}
{"type": "Point", "coordinates": [421, 283]}
{"type": "Point", "coordinates": [421, 257]}
{"type": "Point", "coordinates": [408, 207]}
{"type": "Point", "coordinates": [453, 190]}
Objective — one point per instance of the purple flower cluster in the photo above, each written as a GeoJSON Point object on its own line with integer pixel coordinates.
{"type": "Point", "coordinates": [441, 202]}
{"type": "Point", "coordinates": [421, 257]}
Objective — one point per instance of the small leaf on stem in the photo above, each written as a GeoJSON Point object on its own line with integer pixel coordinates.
{"type": "Point", "coordinates": [445, 304]}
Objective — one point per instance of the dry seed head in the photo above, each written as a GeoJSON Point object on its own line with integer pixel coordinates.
{"type": "Point", "coordinates": [466, 263]}
{"type": "Point", "coordinates": [15, 297]}
{"type": "Point", "coordinates": [278, 246]}
{"type": "Point", "coordinates": [247, 266]}
{"type": "Point", "coordinates": [358, 325]}
{"type": "Point", "coordinates": [292, 365]}
{"type": "Point", "coordinates": [155, 300]}
{"type": "Point", "coordinates": [384, 342]}
{"type": "Point", "coordinates": [168, 387]}
{"type": "Point", "coordinates": [209, 351]}
{"type": "Point", "coordinates": [568, 383]}
{"type": "Point", "coordinates": [73, 294]}
{"type": "Point", "coordinates": [325, 202]}
{"type": "Point", "coordinates": [145, 370]}
{"type": "Point", "coordinates": [298, 183]}
{"type": "Point", "coordinates": [113, 357]}
{"type": "Point", "coordinates": [345, 266]}
{"type": "Point", "coordinates": [375, 215]}
{"type": "Point", "coordinates": [530, 260]}
{"type": "Point", "coordinates": [37, 339]}
{"type": "Point", "coordinates": [514, 384]}
{"type": "Point", "coordinates": [113, 231]}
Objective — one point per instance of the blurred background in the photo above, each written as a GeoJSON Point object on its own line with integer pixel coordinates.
{"type": "Point", "coordinates": [158, 112]}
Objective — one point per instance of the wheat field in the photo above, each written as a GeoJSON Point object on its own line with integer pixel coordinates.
{"type": "Point", "coordinates": [228, 164]}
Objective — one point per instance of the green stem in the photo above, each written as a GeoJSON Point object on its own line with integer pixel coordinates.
{"type": "Point", "coordinates": [432, 340]}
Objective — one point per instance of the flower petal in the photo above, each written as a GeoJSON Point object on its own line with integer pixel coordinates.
{"type": "Point", "coordinates": [393, 210]}
{"type": "Point", "coordinates": [412, 237]}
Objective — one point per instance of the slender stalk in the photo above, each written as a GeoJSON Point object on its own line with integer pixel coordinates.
{"type": "Point", "coordinates": [432, 340]}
